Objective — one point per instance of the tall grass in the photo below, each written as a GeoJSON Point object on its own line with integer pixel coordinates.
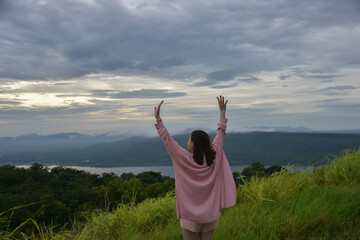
{"type": "Point", "coordinates": [128, 219]}
{"type": "Point", "coordinates": [342, 170]}
{"type": "Point", "coordinates": [324, 204]}
{"type": "Point", "coordinates": [277, 188]}
{"type": "Point", "coordinates": [5, 221]}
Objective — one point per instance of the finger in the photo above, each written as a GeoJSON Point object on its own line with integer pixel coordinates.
{"type": "Point", "coordinates": [226, 102]}
{"type": "Point", "coordinates": [218, 99]}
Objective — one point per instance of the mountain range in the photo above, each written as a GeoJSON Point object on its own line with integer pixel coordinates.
{"type": "Point", "coordinates": [113, 150]}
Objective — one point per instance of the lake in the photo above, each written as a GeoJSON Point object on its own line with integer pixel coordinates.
{"type": "Point", "coordinates": [164, 170]}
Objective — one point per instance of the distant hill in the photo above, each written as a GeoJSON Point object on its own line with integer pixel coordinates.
{"type": "Point", "coordinates": [280, 129]}
{"type": "Point", "coordinates": [54, 142]}
{"type": "Point", "coordinates": [299, 130]}
{"type": "Point", "coordinates": [270, 148]}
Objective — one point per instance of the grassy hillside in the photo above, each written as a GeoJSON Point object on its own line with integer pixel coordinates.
{"type": "Point", "coordinates": [320, 205]}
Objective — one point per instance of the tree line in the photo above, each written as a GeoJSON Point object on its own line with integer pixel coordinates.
{"type": "Point", "coordinates": [62, 195]}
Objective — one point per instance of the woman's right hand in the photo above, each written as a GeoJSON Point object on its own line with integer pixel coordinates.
{"type": "Point", "coordinates": [222, 104]}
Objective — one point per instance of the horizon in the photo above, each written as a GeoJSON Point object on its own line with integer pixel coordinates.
{"type": "Point", "coordinates": [180, 131]}
{"type": "Point", "coordinates": [97, 67]}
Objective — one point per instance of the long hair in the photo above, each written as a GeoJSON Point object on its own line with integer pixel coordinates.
{"type": "Point", "coordinates": [202, 146]}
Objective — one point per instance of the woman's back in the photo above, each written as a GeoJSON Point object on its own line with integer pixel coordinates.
{"type": "Point", "coordinates": [203, 179]}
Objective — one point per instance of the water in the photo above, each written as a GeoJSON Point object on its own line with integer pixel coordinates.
{"type": "Point", "coordinates": [164, 170]}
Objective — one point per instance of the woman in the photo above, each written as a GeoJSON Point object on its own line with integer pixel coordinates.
{"type": "Point", "coordinates": [203, 179]}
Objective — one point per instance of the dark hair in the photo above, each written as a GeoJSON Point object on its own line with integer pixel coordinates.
{"type": "Point", "coordinates": [202, 147]}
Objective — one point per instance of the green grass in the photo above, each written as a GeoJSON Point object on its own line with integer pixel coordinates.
{"type": "Point", "coordinates": [324, 204]}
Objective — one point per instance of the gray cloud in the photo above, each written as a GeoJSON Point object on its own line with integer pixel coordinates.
{"type": "Point", "coordinates": [249, 79]}
{"type": "Point", "coordinates": [322, 76]}
{"type": "Point", "coordinates": [161, 63]}
{"type": "Point", "coordinates": [331, 91]}
{"type": "Point", "coordinates": [38, 87]}
{"type": "Point", "coordinates": [66, 39]}
{"type": "Point", "coordinates": [302, 75]}
{"type": "Point", "coordinates": [342, 107]}
{"type": "Point", "coordinates": [330, 100]}
{"type": "Point", "coordinates": [339, 88]}
{"type": "Point", "coordinates": [336, 93]}
{"type": "Point", "coordinates": [46, 111]}
{"type": "Point", "coordinates": [225, 76]}
{"type": "Point", "coordinates": [73, 95]}
{"type": "Point", "coordinates": [282, 77]}
{"type": "Point", "coordinates": [338, 106]}
{"type": "Point", "coordinates": [72, 111]}
{"type": "Point", "coordinates": [327, 81]}
{"type": "Point", "coordinates": [9, 102]}
{"type": "Point", "coordinates": [62, 84]}
{"type": "Point", "coordinates": [143, 93]}
{"type": "Point", "coordinates": [218, 76]}
{"type": "Point", "coordinates": [225, 86]}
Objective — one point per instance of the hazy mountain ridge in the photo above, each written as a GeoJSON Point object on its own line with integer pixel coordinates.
{"type": "Point", "coordinates": [241, 148]}
{"type": "Point", "coordinates": [280, 129]}
{"type": "Point", "coordinates": [54, 142]}
{"type": "Point", "coordinates": [298, 130]}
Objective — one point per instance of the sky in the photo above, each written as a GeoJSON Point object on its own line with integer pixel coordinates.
{"type": "Point", "coordinates": [92, 66]}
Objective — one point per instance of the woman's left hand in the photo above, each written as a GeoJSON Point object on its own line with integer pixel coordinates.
{"type": "Point", "coordinates": [157, 111]}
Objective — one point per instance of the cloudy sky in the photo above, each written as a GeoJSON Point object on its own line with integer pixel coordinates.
{"type": "Point", "coordinates": [94, 66]}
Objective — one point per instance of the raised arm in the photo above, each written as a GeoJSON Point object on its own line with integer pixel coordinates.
{"type": "Point", "coordinates": [221, 131]}
{"type": "Point", "coordinates": [176, 152]}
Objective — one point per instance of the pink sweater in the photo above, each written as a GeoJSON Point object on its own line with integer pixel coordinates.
{"type": "Point", "coordinates": [201, 191]}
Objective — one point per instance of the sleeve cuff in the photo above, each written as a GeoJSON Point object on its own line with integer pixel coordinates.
{"type": "Point", "coordinates": [159, 125]}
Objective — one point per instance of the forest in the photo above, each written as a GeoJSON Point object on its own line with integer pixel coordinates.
{"type": "Point", "coordinates": [64, 195]}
